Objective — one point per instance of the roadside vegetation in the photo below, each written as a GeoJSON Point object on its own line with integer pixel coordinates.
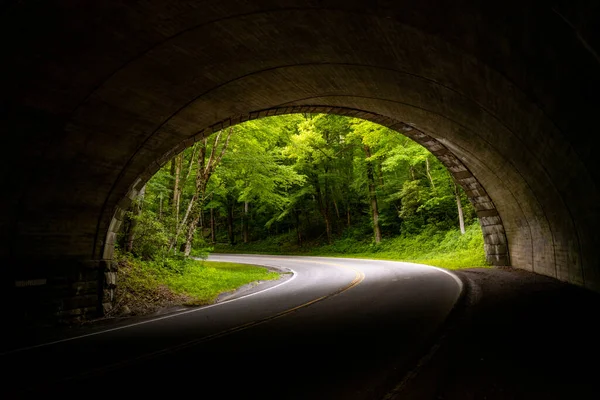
{"type": "Point", "coordinates": [446, 249]}
{"type": "Point", "coordinates": [150, 286]}
{"type": "Point", "coordinates": [310, 184]}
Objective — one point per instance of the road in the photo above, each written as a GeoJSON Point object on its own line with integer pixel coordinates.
{"type": "Point", "coordinates": [334, 329]}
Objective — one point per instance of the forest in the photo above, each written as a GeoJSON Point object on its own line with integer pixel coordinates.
{"type": "Point", "coordinates": [312, 184]}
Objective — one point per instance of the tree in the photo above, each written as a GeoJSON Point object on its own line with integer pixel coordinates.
{"type": "Point", "coordinates": [314, 175]}
{"type": "Point", "coordinates": [206, 167]}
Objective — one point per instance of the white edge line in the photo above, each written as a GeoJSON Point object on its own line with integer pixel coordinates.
{"type": "Point", "coordinates": [294, 274]}
{"type": "Point", "coordinates": [456, 278]}
{"type": "Point", "coordinates": [445, 271]}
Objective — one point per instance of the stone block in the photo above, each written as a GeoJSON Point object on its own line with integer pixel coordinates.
{"type": "Point", "coordinates": [487, 214]}
{"type": "Point", "coordinates": [498, 260]}
{"type": "Point", "coordinates": [495, 249]}
{"type": "Point", "coordinates": [480, 206]}
{"type": "Point", "coordinates": [462, 174]}
{"type": "Point", "coordinates": [110, 279]}
{"type": "Point", "coordinates": [108, 294]}
{"type": "Point", "coordinates": [494, 238]}
{"type": "Point", "coordinates": [492, 220]}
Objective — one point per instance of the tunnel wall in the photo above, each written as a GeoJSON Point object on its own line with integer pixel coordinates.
{"type": "Point", "coordinates": [97, 95]}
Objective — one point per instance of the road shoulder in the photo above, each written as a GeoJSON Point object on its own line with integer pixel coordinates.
{"type": "Point", "coordinates": [514, 335]}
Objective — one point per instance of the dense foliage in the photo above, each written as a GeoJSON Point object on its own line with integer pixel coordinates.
{"type": "Point", "coordinates": [339, 184]}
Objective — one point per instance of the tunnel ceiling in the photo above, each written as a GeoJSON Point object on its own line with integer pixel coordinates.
{"type": "Point", "coordinates": [97, 95]}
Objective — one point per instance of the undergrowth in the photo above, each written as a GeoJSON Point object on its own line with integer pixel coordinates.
{"type": "Point", "coordinates": [446, 249]}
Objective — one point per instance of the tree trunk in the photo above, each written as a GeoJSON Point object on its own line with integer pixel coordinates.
{"type": "Point", "coordinates": [201, 223]}
{"type": "Point", "coordinates": [298, 232]}
{"type": "Point", "coordinates": [348, 215]}
{"type": "Point", "coordinates": [372, 195]}
{"type": "Point", "coordinates": [337, 211]}
{"type": "Point", "coordinates": [137, 209]}
{"type": "Point", "coordinates": [230, 224]}
{"type": "Point", "coordinates": [212, 226]}
{"type": "Point", "coordinates": [245, 235]}
{"type": "Point", "coordinates": [176, 172]}
{"type": "Point", "coordinates": [307, 217]}
{"type": "Point", "coordinates": [380, 174]}
{"type": "Point", "coordinates": [375, 211]}
{"type": "Point", "coordinates": [323, 207]}
{"type": "Point", "coordinates": [190, 235]}
{"type": "Point", "coordinates": [328, 229]}
{"type": "Point", "coordinates": [461, 219]}
{"type": "Point", "coordinates": [206, 167]}
{"type": "Point", "coordinates": [429, 173]}
{"type": "Point", "coordinates": [182, 224]}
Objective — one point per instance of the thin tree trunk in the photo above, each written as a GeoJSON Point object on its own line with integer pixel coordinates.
{"type": "Point", "coordinates": [245, 235]}
{"type": "Point", "coordinates": [298, 232]}
{"type": "Point", "coordinates": [230, 224]}
{"type": "Point", "coordinates": [337, 211]}
{"type": "Point", "coordinates": [372, 195]}
{"type": "Point", "coordinates": [380, 174]}
{"type": "Point", "coordinates": [176, 169]}
{"type": "Point", "coordinates": [182, 224]}
{"type": "Point", "coordinates": [307, 217]}
{"type": "Point", "coordinates": [181, 180]}
{"type": "Point", "coordinates": [138, 211]}
{"type": "Point", "coordinates": [328, 229]}
{"type": "Point", "coordinates": [212, 226]}
{"type": "Point", "coordinates": [461, 219]}
{"type": "Point", "coordinates": [328, 222]}
{"type": "Point", "coordinates": [429, 173]}
{"type": "Point", "coordinates": [348, 215]}
{"type": "Point", "coordinates": [323, 208]}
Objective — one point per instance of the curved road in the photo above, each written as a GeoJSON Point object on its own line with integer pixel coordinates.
{"type": "Point", "coordinates": [334, 329]}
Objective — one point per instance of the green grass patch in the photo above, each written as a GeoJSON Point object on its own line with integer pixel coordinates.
{"type": "Point", "coordinates": [145, 286]}
{"type": "Point", "coordinates": [205, 280]}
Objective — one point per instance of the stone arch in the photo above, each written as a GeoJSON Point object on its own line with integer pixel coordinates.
{"type": "Point", "coordinates": [105, 93]}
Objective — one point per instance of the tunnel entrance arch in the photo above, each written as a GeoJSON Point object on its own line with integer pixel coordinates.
{"type": "Point", "coordinates": [496, 246]}
{"type": "Point", "coordinates": [494, 236]}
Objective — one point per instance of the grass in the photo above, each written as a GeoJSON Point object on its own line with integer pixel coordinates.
{"type": "Point", "coordinates": [445, 249]}
{"type": "Point", "coordinates": [207, 279]}
{"type": "Point", "coordinates": [144, 287]}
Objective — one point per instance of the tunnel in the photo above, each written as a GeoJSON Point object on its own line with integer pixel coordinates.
{"type": "Point", "coordinates": [98, 96]}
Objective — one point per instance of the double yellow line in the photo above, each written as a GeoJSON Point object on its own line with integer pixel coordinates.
{"type": "Point", "coordinates": [358, 278]}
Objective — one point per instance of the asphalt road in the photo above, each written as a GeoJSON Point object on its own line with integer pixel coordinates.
{"type": "Point", "coordinates": [335, 329]}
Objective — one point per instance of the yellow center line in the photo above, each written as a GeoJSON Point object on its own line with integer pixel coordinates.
{"type": "Point", "coordinates": [358, 278]}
